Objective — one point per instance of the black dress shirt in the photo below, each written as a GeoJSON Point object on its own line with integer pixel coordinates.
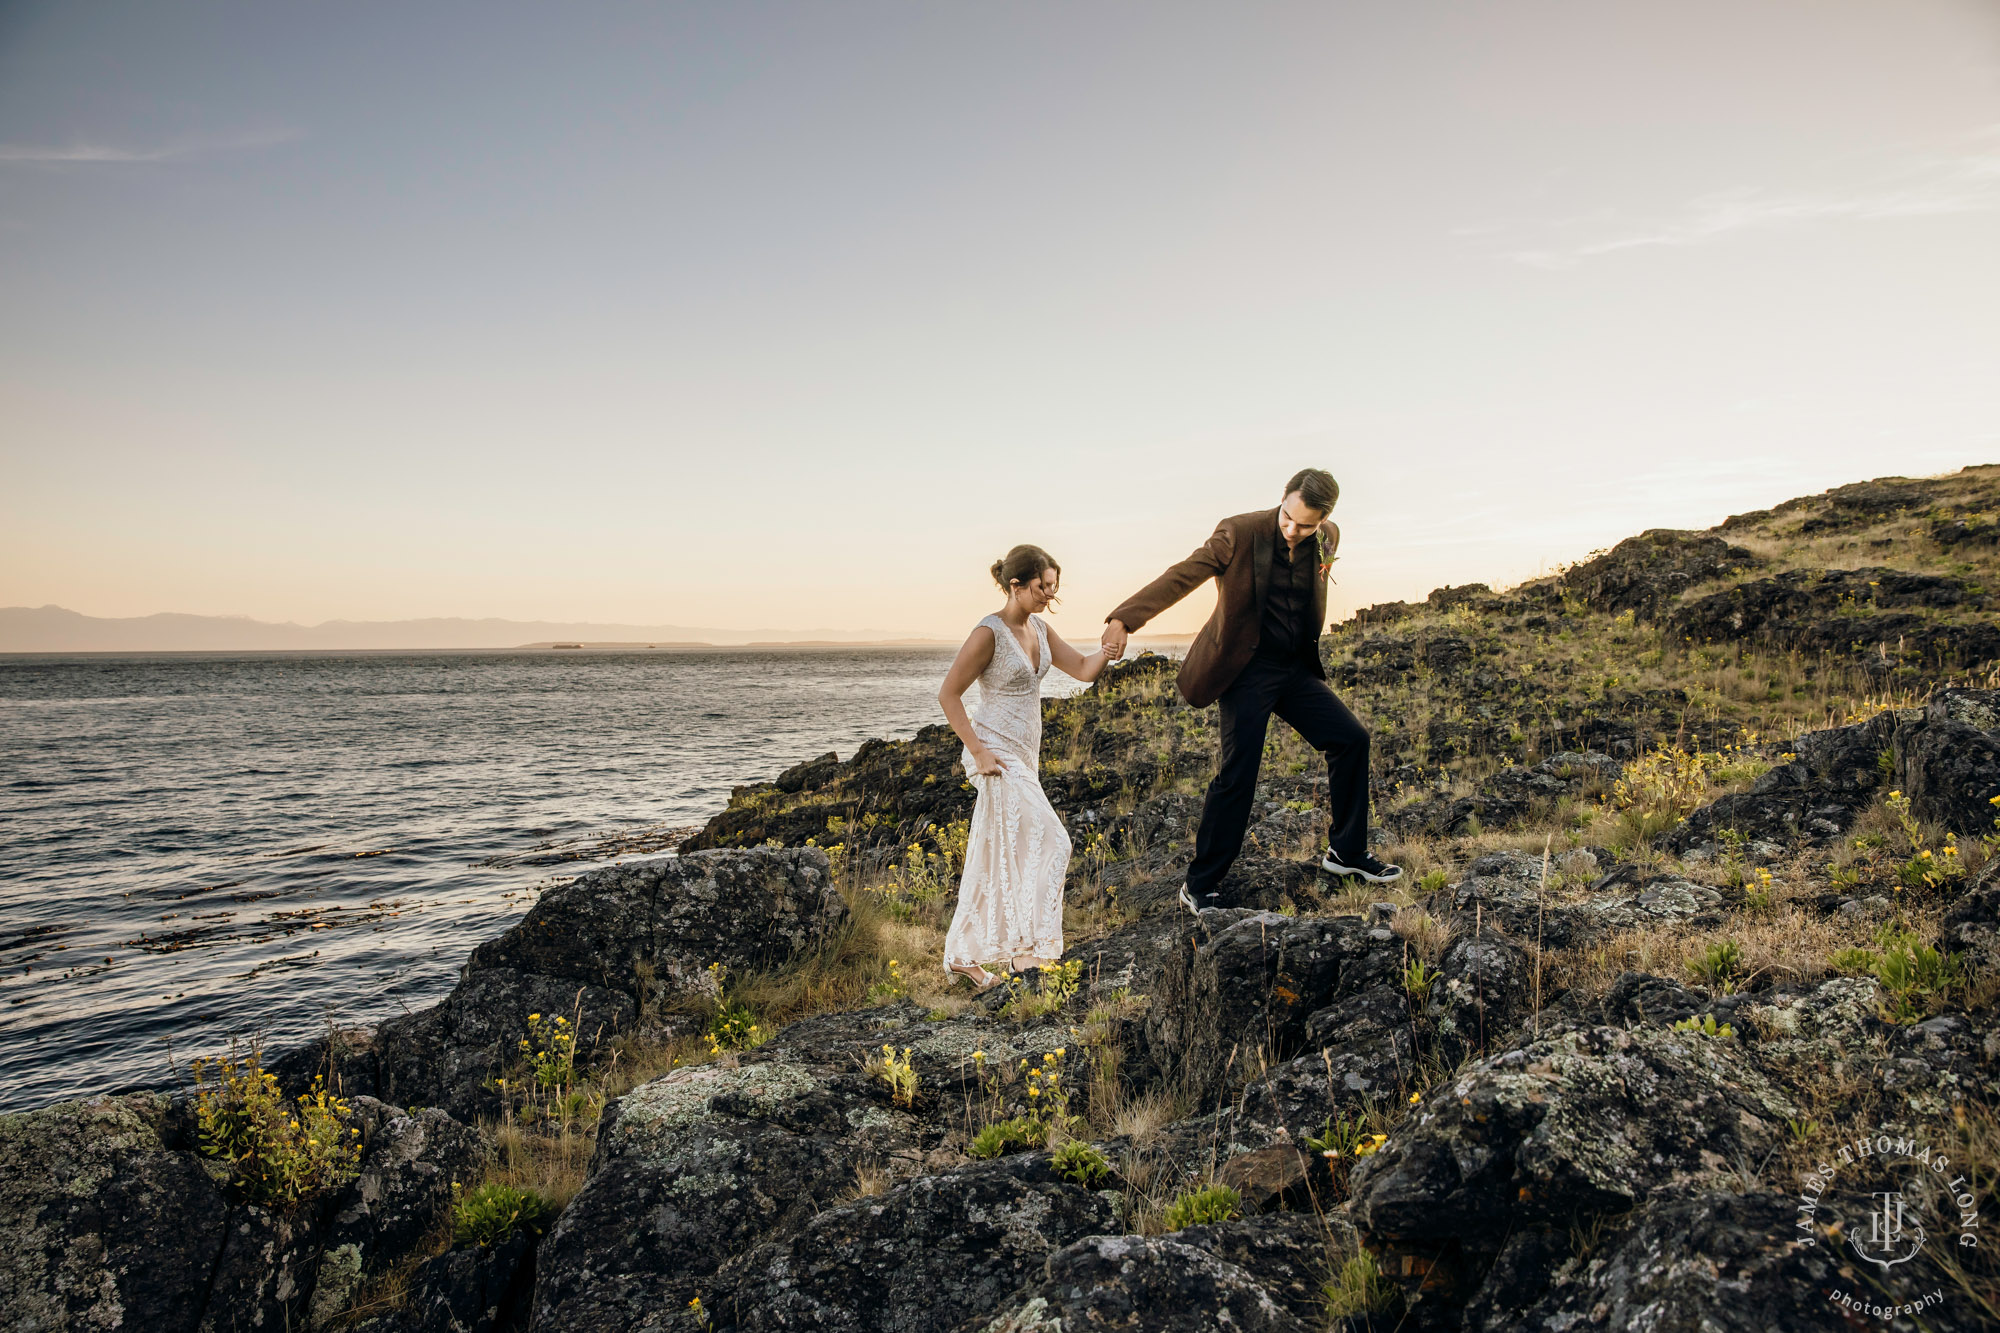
{"type": "Point", "coordinates": [1287, 630]}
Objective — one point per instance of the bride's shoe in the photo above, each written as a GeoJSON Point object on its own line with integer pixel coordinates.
{"type": "Point", "coordinates": [1024, 966]}
{"type": "Point", "coordinates": [982, 980]}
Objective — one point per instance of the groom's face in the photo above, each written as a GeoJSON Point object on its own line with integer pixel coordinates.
{"type": "Point", "coordinates": [1298, 520]}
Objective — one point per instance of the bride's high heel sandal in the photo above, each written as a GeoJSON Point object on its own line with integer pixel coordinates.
{"type": "Point", "coordinates": [982, 980]}
{"type": "Point", "coordinates": [1028, 968]}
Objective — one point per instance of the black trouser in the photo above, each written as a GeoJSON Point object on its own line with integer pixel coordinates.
{"type": "Point", "coordinates": [1294, 693]}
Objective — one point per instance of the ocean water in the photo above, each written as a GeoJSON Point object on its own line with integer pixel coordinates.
{"type": "Point", "coordinates": [195, 847]}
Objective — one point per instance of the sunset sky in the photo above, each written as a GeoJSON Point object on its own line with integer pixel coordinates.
{"type": "Point", "coordinates": [797, 315]}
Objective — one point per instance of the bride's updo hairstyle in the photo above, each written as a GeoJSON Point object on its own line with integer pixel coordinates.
{"type": "Point", "coordinates": [1024, 564]}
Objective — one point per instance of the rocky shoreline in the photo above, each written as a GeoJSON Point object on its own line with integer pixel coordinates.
{"type": "Point", "coordinates": [1578, 1072]}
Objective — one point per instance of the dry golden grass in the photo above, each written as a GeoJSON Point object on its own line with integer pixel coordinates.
{"type": "Point", "coordinates": [1140, 1118]}
{"type": "Point", "coordinates": [1427, 936]}
{"type": "Point", "coordinates": [552, 1165]}
{"type": "Point", "coordinates": [870, 1181]}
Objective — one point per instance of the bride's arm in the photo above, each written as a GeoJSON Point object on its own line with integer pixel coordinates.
{"type": "Point", "coordinates": [1072, 663]}
{"type": "Point", "coordinates": [972, 659]}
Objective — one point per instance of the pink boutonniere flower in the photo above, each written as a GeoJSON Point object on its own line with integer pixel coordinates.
{"type": "Point", "coordinates": [1326, 556]}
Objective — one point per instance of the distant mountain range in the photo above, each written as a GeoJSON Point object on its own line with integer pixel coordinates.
{"type": "Point", "coordinates": [54, 629]}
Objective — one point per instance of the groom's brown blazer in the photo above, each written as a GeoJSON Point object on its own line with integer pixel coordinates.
{"type": "Point", "coordinates": [1238, 558]}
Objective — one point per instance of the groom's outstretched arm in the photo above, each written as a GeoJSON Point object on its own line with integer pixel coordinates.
{"type": "Point", "coordinates": [1209, 559]}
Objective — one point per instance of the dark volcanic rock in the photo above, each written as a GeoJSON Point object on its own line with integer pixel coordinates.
{"type": "Point", "coordinates": [404, 1186]}
{"type": "Point", "coordinates": [114, 1221]}
{"type": "Point", "coordinates": [1144, 1284]}
{"type": "Point", "coordinates": [266, 1272]}
{"type": "Point", "coordinates": [694, 1168]}
{"type": "Point", "coordinates": [1814, 797]}
{"type": "Point", "coordinates": [1465, 594]}
{"type": "Point", "coordinates": [1972, 927]}
{"type": "Point", "coordinates": [1886, 614]}
{"type": "Point", "coordinates": [1266, 881]}
{"type": "Point", "coordinates": [1714, 1263]}
{"type": "Point", "coordinates": [1646, 573]}
{"type": "Point", "coordinates": [1237, 998]}
{"type": "Point", "coordinates": [701, 1166]}
{"type": "Point", "coordinates": [106, 1225]}
{"type": "Point", "coordinates": [1585, 1121]}
{"type": "Point", "coordinates": [1447, 652]}
{"type": "Point", "coordinates": [1365, 1050]}
{"type": "Point", "coordinates": [1275, 1179]}
{"type": "Point", "coordinates": [1948, 763]}
{"type": "Point", "coordinates": [473, 1288]}
{"type": "Point", "coordinates": [926, 1255]}
{"type": "Point", "coordinates": [1384, 613]}
{"type": "Point", "coordinates": [1861, 503]}
{"type": "Point", "coordinates": [810, 775]}
{"type": "Point", "coordinates": [616, 941]}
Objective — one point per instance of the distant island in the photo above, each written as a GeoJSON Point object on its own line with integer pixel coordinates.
{"type": "Point", "coordinates": [55, 629]}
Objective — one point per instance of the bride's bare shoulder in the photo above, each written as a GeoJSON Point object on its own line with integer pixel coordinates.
{"type": "Point", "coordinates": [978, 644]}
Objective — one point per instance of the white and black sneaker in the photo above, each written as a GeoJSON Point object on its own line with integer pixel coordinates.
{"type": "Point", "coordinates": [1187, 901]}
{"type": "Point", "coordinates": [1364, 865]}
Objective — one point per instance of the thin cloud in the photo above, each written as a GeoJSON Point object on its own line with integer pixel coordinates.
{"type": "Point", "coordinates": [1937, 187]}
{"type": "Point", "coordinates": [86, 153]}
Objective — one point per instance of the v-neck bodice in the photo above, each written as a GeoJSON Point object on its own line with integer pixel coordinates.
{"type": "Point", "coordinates": [1010, 690]}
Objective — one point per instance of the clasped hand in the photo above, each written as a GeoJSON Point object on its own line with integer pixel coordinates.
{"type": "Point", "coordinates": [1113, 639]}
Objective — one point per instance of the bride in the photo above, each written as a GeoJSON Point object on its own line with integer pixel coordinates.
{"type": "Point", "coordinates": [1010, 896]}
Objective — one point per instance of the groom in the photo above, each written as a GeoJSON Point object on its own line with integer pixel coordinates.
{"type": "Point", "coordinates": [1259, 655]}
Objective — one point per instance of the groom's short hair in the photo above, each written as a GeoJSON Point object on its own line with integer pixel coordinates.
{"type": "Point", "coordinates": [1316, 487]}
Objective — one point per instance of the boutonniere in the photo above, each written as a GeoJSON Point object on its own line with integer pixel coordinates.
{"type": "Point", "coordinates": [1326, 556]}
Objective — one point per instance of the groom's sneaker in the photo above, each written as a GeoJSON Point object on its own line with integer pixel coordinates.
{"type": "Point", "coordinates": [1364, 865]}
{"type": "Point", "coordinates": [1196, 906]}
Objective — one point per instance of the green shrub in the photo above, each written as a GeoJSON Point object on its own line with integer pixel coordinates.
{"type": "Point", "coordinates": [1078, 1161]}
{"type": "Point", "coordinates": [1434, 880]}
{"type": "Point", "coordinates": [490, 1212]}
{"type": "Point", "coordinates": [278, 1155]}
{"type": "Point", "coordinates": [1194, 1208]}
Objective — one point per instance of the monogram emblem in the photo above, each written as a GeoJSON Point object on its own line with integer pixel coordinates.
{"type": "Point", "coordinates": [1894, 1234]}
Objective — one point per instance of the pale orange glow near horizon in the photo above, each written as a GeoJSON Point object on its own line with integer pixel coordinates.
{"type": "Point", "coordinates": [788, 318]}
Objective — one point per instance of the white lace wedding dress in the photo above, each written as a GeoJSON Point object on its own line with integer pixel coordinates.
{"type": "Point", "coordinates": [1010, 899]}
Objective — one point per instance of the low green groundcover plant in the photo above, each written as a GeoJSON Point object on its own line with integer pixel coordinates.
{"type": "Point", "coordinates": [491, 1212]}
{"type": "Point", "coordinates": [1078, 1161]}
{"type": "Point", "coordinates": [1005, 1136]}
{"type": "Point", "coordinates": [1217, 1203]}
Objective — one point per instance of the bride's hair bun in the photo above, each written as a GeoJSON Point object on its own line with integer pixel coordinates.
{"type": "Point", "coordinates": [1023, 564]}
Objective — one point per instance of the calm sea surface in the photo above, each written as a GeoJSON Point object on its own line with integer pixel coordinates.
{"type": "Point", "coordinates": [201, 846]}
